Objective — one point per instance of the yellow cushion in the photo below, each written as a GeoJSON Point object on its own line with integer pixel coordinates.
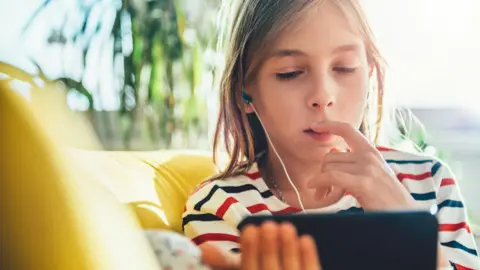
{"type": "Point", "coordinates": [175, 177]}
{"type": "Point", "coordinates": [155, 184]}
{"type": "Point", "coordinates": [53, 218]}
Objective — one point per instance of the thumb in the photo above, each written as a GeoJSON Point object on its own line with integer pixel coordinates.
{"type": "Point", "coordinates": [219, 259]}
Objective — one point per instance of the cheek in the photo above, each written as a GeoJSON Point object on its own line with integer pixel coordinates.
{"type": "Point", "coordinates": [353, 99]}
{"type": "Point", "coordinates": [272, 97]}
{"type": "Point", "coordinates": [278, 110]}
{"type": "Point", "coordinates": [277, 113]}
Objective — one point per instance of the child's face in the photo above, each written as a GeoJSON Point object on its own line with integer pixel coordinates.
{"type": "Point", "coordinates": [317, 71]}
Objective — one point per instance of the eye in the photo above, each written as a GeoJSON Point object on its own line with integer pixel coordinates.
{"type": "Point", "coordinates": [289, 75]}
{"type": "Point", "coordinates": [344, 69]}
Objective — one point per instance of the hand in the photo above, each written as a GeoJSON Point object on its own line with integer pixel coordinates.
{"type": "Point", "coordinates": [362, 172]}
{"type": "Point", "coordinates": [219, 259]}
{"type": "Point", "coordinates": [270, 246]}
{"type": "Point", "coordinates": [277, 247]}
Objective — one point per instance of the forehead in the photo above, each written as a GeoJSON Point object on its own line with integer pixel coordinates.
{"type": "Point", "coordinates": [320, 26]}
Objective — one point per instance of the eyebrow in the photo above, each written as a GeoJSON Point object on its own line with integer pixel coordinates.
{"type": "Point", "coordinates": [285, 53]}
{"type": "Point", "coordinates": [290, 52]}
{"type": "Point", "coordinates": [346, 48]}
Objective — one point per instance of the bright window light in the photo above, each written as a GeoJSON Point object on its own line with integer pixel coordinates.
{"type": "Point", "coordinates": [432, 48]}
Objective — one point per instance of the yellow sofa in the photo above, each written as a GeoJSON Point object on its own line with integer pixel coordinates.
{"type": "Point", "coordinates": [154, 184]}
{"type": "Point", "coordinates": [65, 209]}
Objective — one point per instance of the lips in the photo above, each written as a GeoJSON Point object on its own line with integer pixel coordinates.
{"type": "Point", "coordinates": [319, 136]}
{"type": "Point", "coordinates": [311, 131]}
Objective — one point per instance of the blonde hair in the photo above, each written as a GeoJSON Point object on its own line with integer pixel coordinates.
{"type": "Point", "coordinates": [256, 25]}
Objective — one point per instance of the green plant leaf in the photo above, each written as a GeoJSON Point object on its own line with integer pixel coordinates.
{"type": "Point", "coordinates": [77, 86]}
{"type": "Point", "coordinates": [181, 19]}
{"type": "Point", "coordinates": [198, 67]}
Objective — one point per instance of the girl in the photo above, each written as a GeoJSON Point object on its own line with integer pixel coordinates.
{"type": "Point", "coordinates": [301, 108]}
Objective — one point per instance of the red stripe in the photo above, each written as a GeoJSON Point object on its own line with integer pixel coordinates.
{"type": "Point", "coordinates": [262, 207]}
{"type": "Point", "coordinates": [288, 210]}
{"type": "Point", "coordinates": [215, 237]}
{"type": "Point", "coordinates": [461, 267]}
{"type": "Point", "coordinates": [225, 205]}
{"type": "Point", "coordinates": [253, 176]}
{"type": "Point", "coordinates": [423, 176]}
{"type": "Point", "coordinates": [257, 208]}
{"type": "Point", "coordinates": [385, 149]}
{"type": "Point", "coordinates": [454, 227]}
{"type": "Point", "coordinates": [447, 182]}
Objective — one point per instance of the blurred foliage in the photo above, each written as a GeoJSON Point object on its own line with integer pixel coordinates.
{"type": "Point", "coordinates": [11, 74]}
{"type": "Point", "coordinates": [410, 135]}
{"type": "Point", "coordinates": [157, 58]}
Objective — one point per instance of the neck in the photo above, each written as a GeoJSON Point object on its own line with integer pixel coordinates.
{"type": "Point", "coordinates": [301, 172]}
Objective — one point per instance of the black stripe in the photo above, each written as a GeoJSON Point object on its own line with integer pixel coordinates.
{"type": "Point", "coordinates": [435, 168]}
{"type": "Point", "coordinates": [232, 189]}
{"type": "Point", "coordinates": [235, 250]}
{"type": "Point", "coordinates": [424, 196]}
{"type": "Point", "coordinates": [454, 266]}
{"type": "Point", "coordinates": [199, 217]}
{"type": "Point", "coordinates": [455, 244]}
{"type": "Point", "coordinates": [266, 194]}
{"type": "Point", "coordinates": [351, 210]}
{"type": "Point", "coordinates": [450, 203]}
{"type": "Point", "coordinates": [421, 161]}
{"type": "Point", "coordinates": [198, 206]}
{"type": "Point", "coordinates": [246, 187]}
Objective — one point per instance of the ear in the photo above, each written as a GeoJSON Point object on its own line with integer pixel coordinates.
{"type": "Point", "coordinates": [248, 108]}
{"type": "Point", "coordinates": [247, 102]}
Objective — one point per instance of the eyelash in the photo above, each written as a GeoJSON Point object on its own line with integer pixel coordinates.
{"type": "Point", "coordinates": [289, 75]}
{"type": "Point", "coordinates": [292, 75]}
{"type": "Point", "coordinates": [344, 69]}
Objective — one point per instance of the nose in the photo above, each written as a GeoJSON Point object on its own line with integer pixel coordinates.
{"type": "Point", "coordinates": [321, 96]}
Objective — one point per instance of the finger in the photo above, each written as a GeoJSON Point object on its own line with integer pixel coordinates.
{"type": "Point", "coordinates": [361, 158]}
{"type": "Point", "coordinates": [290, 247]}
{"type": "Point", "coordinates": [249, 247]}
{"type": "Point", "coordinates": [340, 157]}
{"type": "Point", "coordinates": [219, 259]}
{"type": "Point", "coordinates": [350, 182]}
{"type": "Point", "coordinates": [269, 251]}
{"type": "Point", "coordinates": [353, 137]}
{"type": "Point", "coordinates": [351, 168]}
{"type": "Point", "coordinates": [308, 251]}
{"type": "Point", "coordinates": [322, 194]}
{"type": "Point", "coordinates": [335, 150]}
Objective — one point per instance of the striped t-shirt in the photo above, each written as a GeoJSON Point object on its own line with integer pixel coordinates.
{"type": "Point", "coordinates": [215, 208]}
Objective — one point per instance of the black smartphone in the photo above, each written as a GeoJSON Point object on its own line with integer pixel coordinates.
{"type": "Point", "coordinates": [368, 240]}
